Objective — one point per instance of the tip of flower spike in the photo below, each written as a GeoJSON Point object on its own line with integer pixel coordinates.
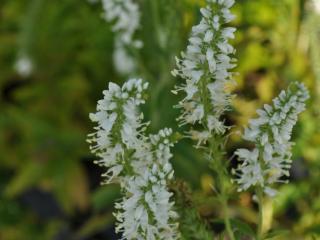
{"type": "Point", "coordinates": [301, 90]}
{"type": "Point", "coordinates": [225, 3]}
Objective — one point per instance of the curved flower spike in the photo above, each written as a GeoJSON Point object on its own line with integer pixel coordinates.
{"type": "Point", "coordinates": [271, 132]}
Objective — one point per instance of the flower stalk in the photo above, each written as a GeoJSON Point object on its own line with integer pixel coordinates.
{"type": "Point", "coordinates": [270, 160]}
{"type": "Point", "coordinates": [206, 68]}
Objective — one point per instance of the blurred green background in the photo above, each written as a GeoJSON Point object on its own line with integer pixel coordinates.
{"type": "Point", "coordinates": [49, 186]}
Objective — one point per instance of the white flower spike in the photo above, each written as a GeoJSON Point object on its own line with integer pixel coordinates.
{"type": "Point", "coordinates": [139, 163]}
{"type": "Point", "coordinates": [270, 160]}
{"type": "Point", "coordinates": [119, 127]}
{"type": "Point", "coordinates": [205, 67]}
{"type": "Point", "coordinates": [146, 212]}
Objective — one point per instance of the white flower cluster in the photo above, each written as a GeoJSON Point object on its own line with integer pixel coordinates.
{"type": "Point", "coordinates": [125, 15]}
{"type": "Point", "coordinates": [146, 211]}
{"type": "Point", "coordinates": [138, 162]}
{"type": "Point", "coordinates": [206, 66]}
{"type": "Point", "coordinates": [270, 160]}
{"type": "Point", "coordinates": [118, 133]}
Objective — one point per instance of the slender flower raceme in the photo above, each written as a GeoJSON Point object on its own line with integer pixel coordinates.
{"type": "Point", "coordinates": [125, 16]}
{"type": "Point", "coordinates": [119, 131]}
{"type": "Point", "coordinates": [206, 66]}
{"type": "Point", "coordinates": [146, 212]}
{"type": "Point", "coordinates": [270, 160]}
{"type": "Point", "coordinates": [138, 162]}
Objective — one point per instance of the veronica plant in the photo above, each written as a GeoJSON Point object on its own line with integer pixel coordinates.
{"type": "Point", "coordinates": [139, 163]}
{"type": "Point", "coordinates": [270, 160]}
{"type": "Point", "coordinates": [206, 68]}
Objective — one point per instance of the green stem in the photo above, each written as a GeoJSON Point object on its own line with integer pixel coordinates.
{"type": "Point", "coordinates": [155, 20]}
{"type": "Point", "coordinates": [226, 217]}
{"type": "Point", "coordinates": [260, 222]}
{"type": "Point", "coordinates": [29, 23]}
{"type": "Point", "coordinates": [216, 162]}
{"type": "Point", "coordinates": [220, 169]}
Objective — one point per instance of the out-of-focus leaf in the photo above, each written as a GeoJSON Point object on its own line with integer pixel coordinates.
{"type": "Point", "coordinates": [28, 175]}
{"type": "Point", "coordinates": [260, 12]}
{"type": "Point", "coordinates": [94, 224]}
{"type": "Point", "coordinates": [264, 89]}
{"type": "Point", "coordinates": [105, 197]}
{"type": "Point", "coordinates": [254, 57]}
{"type": "Point", "coordinates": [315, 229]}
{"type": "Point", "coordinates": [70, 185]}
{"type": "Point", "coordinates": [77, 188]}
